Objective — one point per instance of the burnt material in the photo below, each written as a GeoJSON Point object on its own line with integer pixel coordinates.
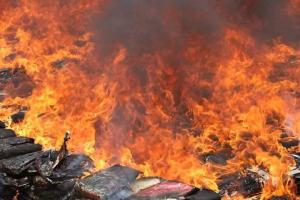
{"type": "Point", "coordinates": [7, 151]}
{"type": "Point", "coordinates": [6, 133]}
{"type": "Point", "coordinates": [203, 195]}
{"type": "Point", "coordinates": [2, 124]}
{"type": "Point", "coordinates": [33, 174]}
{"type": "Point", "coordinates": [19, 164]}
{"type": "Point", "coordinates": [46, 191]}
{"type": "Point", "coordinates": [73, 166]}
{"type": "Point", "coordinates": [7, 191]}
{"type": "Point", "coordinates": [248, 185]}
{"type": "Point", "coordinates": [289, 142]}
{"type": "Point", "coordinates": [111, 183]}
{"type": "Point", "coordinates": [13, 141]}
{"type": "Point", "coordinates": [18, 117]}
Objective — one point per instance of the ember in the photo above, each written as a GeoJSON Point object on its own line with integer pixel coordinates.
{"type": "Point", "coordinates": [166, 99]}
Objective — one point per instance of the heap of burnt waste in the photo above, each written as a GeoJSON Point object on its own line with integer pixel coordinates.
{"type": "Point", "coordinates": [29, 173]}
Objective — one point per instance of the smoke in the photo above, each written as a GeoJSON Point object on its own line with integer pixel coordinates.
{"type": "Point", "coordinates": [144, 26]}
{"type": "Point", "coordinates": [170, 28]}
{"type": "Point", "coordinates": [147, 26]}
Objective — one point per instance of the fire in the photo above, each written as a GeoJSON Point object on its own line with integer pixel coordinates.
{"type": "Point", "coordinates": [157, 100]}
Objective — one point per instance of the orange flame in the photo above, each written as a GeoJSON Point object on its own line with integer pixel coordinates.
{"type": "Point", "coordinates": [160, 117]}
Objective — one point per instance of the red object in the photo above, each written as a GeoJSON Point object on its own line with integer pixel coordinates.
{"type": "Point", "coordinates": [166, 188]}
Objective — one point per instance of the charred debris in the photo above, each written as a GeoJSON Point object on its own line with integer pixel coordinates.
{"type": "Point", "coordinates": [27, 172]}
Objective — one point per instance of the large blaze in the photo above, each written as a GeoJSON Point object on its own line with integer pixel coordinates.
{"type": "Point", "coordinates": [157, 85]}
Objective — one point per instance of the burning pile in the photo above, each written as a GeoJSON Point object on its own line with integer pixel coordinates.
{"type": "Point", "coordinates": [192, 91]}
{"type": "Point", "coordinates": [26, 173]}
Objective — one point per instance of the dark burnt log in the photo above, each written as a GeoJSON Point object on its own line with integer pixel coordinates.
{"type": "Point", "coordinates": [165, 190]}
{"type": "Point", "coordinates": [111, 183]}
{"type": "Point", "coordinates": [6, 133]}
{"type": "Point", "coordinates": [13, 141]}
{"type": "Point", "coordinates": [17, 165]}
{"type": "Point", "coordinates": [7, 151]}
{"type": "Point", "coordinates": [203, 194]}
{"type": "Point", "coordinates": [247, 185]}
{"type": "Point", "coordinates": [2, 124]}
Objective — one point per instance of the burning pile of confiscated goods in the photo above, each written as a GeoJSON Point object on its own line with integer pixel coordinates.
{"type": "Point", "coordinates": [203, 94]}
{"type": "Point", "coordinates": [27, 172]}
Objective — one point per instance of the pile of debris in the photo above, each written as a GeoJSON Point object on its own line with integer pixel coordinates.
{"type": "Point", "coordinates": [29, 173]}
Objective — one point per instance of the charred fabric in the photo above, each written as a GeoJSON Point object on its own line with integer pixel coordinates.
{"type": "Point", "coordinates": [28, 172]}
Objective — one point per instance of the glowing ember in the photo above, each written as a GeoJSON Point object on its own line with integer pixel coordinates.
{"type": "Point", "coordinates": [156, 85]}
